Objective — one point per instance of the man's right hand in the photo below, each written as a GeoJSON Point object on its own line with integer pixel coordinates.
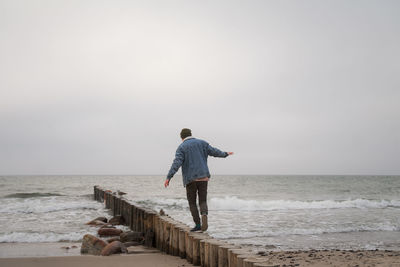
{"type": "Point", "coordinates": [166, 183]}
{"type": "Point", "coordinates": [230, 153]}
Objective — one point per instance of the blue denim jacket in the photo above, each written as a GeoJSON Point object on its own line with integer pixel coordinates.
{"type": "Point", "coordinates": [192, 156]}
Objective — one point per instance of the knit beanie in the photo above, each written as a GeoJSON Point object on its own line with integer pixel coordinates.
{"type": "Point", "coordinates": [185, 133]}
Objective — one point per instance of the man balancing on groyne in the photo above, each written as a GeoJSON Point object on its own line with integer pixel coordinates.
{"type": "Point", "coordinates": [192, 155]}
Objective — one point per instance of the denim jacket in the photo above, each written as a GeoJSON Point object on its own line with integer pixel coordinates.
{"type": "Point", "coordinates": [192, 155]}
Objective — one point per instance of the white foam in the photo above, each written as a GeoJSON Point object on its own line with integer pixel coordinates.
{"type": "Point", "coordinates": [48, 204]}
{"type": "Point", "coordinates": [235, 203]}
{"type": "Point", "coordinates": [305, 231]}
{"type": "Point", "coordinates": [21, 237]}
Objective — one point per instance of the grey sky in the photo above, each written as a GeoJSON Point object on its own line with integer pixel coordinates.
{"type": "Point", "coordinates": [292, 87]}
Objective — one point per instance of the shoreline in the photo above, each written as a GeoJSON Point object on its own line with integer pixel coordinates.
{"type": "Point", "coordinates": [137, 260]}
{"type": "Point", "coordinates": [55, 254]}
{"type": "Point", "coordinates": [37, 250]}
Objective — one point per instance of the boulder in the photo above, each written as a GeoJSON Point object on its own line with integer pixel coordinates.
{"type": "Point", "coordinates": [107, 225]}
{"type": "Point", "coordinates": [116, 220]}
{"type": "Point", "coordinates": [132, 244]}
{"type": "Point", "coordinates": [110, 240]}
{"type": "Point", "coordinates": [113, 248]}
{"type": "Point", "coordinates": [102, 219]}
{"type": "Point", "coordinates": [96, 223]}
{"type": "Point", "coordinates": [92, 245]}
{"type": "Point", "coordinates": [109, 232]}
{"type": "Point", "coordinates": [131, 236]}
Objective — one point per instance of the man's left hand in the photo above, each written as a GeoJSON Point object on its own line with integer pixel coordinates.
{"type": "Point", "coordinates": [166, 183]}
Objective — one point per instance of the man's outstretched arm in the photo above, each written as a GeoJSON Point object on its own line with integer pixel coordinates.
{"type": "Point", "coordinates": [175, 166]}
{"type": "Point", "coordinates": [215, 152]}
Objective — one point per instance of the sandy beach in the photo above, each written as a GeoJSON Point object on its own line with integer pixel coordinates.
{"type": "Point", "coordinates": [56, 254]}
{"type": "Point", "coordinates": [312, 258]}
{"type": "Point", "coordinates": [335, 258]}
{"type": "Point", "coordinates": [142, 260]}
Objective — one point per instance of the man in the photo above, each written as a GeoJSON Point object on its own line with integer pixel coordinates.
{"type": "Point", "coordinates": [192, 155]}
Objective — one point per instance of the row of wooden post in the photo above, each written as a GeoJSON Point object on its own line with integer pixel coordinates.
{"type": "Point", "coordinates": [175, 238]}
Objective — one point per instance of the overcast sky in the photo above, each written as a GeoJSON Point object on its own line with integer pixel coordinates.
{"type": "Point", "coordinates": [292, 87]}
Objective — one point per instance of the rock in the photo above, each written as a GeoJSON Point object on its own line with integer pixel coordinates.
{"type": "Point", "coordinates": [131, 236]}
{"type": "Point", "coordinates": [92, 245]}
{"type": "Point", "coordinates": [102, 219]}
{"type": "Point", "coordinates": [116, 220]}
{"type": "Point", "coordinates": [113, 239]}
{"type": "Point", "coordinates": [162, 212]}
{"type": "Point", "coordinates": [109, 232]}
{"type": "Point", "coordinates": [74, 247]}
{"type": "Point", "coordinates": [107, 225]}
{"type": "Point", "coordinates": [113, 248]}
{"type": "Point", "coordinates": [96, 223]}
{"type": "Point", "coordinates": [132, 244]}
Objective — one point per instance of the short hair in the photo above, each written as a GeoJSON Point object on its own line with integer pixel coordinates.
{"type": "Point", "coordinates": [185, 133]}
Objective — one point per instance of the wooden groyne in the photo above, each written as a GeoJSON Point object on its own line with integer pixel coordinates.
{"type": "Point", "coordinates": [175, 238]}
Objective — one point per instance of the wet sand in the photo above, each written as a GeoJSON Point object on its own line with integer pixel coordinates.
{"type": "Point", "coordinates": [139, 260]}
{"type": "Point", "coordinates": [57, 254]}
{"type": "Point", "coordinates": [336, 258]}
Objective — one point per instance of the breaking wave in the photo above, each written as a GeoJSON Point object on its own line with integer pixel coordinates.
{"type": "Point", "coordinates": [31, 195]}
{"type": "Point", "coordinates": [307, 231]}
{"type": "Point", "coordinates": [46, 205]}
{"type": "Point", "coordinates": [234, 203]}
{"type": "Point", "coordinates": [17, 237]}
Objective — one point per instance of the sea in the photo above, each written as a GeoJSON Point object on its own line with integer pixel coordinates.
{"type": "Point", "coordinates": [264, 212]}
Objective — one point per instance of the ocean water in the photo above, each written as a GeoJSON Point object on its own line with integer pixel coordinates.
{"type": "Point", "coordinates": [274, 212]}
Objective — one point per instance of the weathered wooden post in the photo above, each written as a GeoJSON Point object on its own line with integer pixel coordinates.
{"type": "Point", "coordinates": [100, 195]}
{"type": "Point", "coordinates": [175, 239]}
{"type": "Point", "coordinates": [213, 252]}
{"type": "Point", "coordinates": [118, 207]}
{"type": "Point", "coordinates": [134, 218]}
{"type": "Point", "coordinates": [107, 200]}
{"type": "Point", "coordinates": [182, 251]}
{"type": "Point", "coordinates": [129, 214]}
{"type": "Point", "coordinates": [195, 249]}
{"type": "Point", "coordinates": [197, 244]}
{"type": "Point", "coordinates": [202, 252]}
{"type": "Point", "coordinates": [149, 228]}
{"type": "Point", "coordinates": [157, 230]}
{"type": "Point", "coordinates": [115, 208]}
{"type": "Point", "coordinates": [162, 233]}
{"type": "Point", "coordinates": [125, 211]}
{"type": "Point", "coordinates": [210, 258]}
{"type": "Point", "coordinates": [189, 248]}
{"type": "Point", "coordinates": [166, 230]}
{"type": "Point", "coordinates": [114, 203]}
{"type": "Point", "coordinates": [140, 219]}
{"type": "Point", "coordinates": [223, 255]}
{"type": "Point", "coordinates": [171, 243]}
{"type": "Point", "coordinates": [232, 256]}
{"type": "Point", "coordinates": [242, 257]}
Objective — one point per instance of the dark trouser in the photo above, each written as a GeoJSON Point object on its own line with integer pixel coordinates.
{"type": "Point", "coordinates": [191, 192]}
